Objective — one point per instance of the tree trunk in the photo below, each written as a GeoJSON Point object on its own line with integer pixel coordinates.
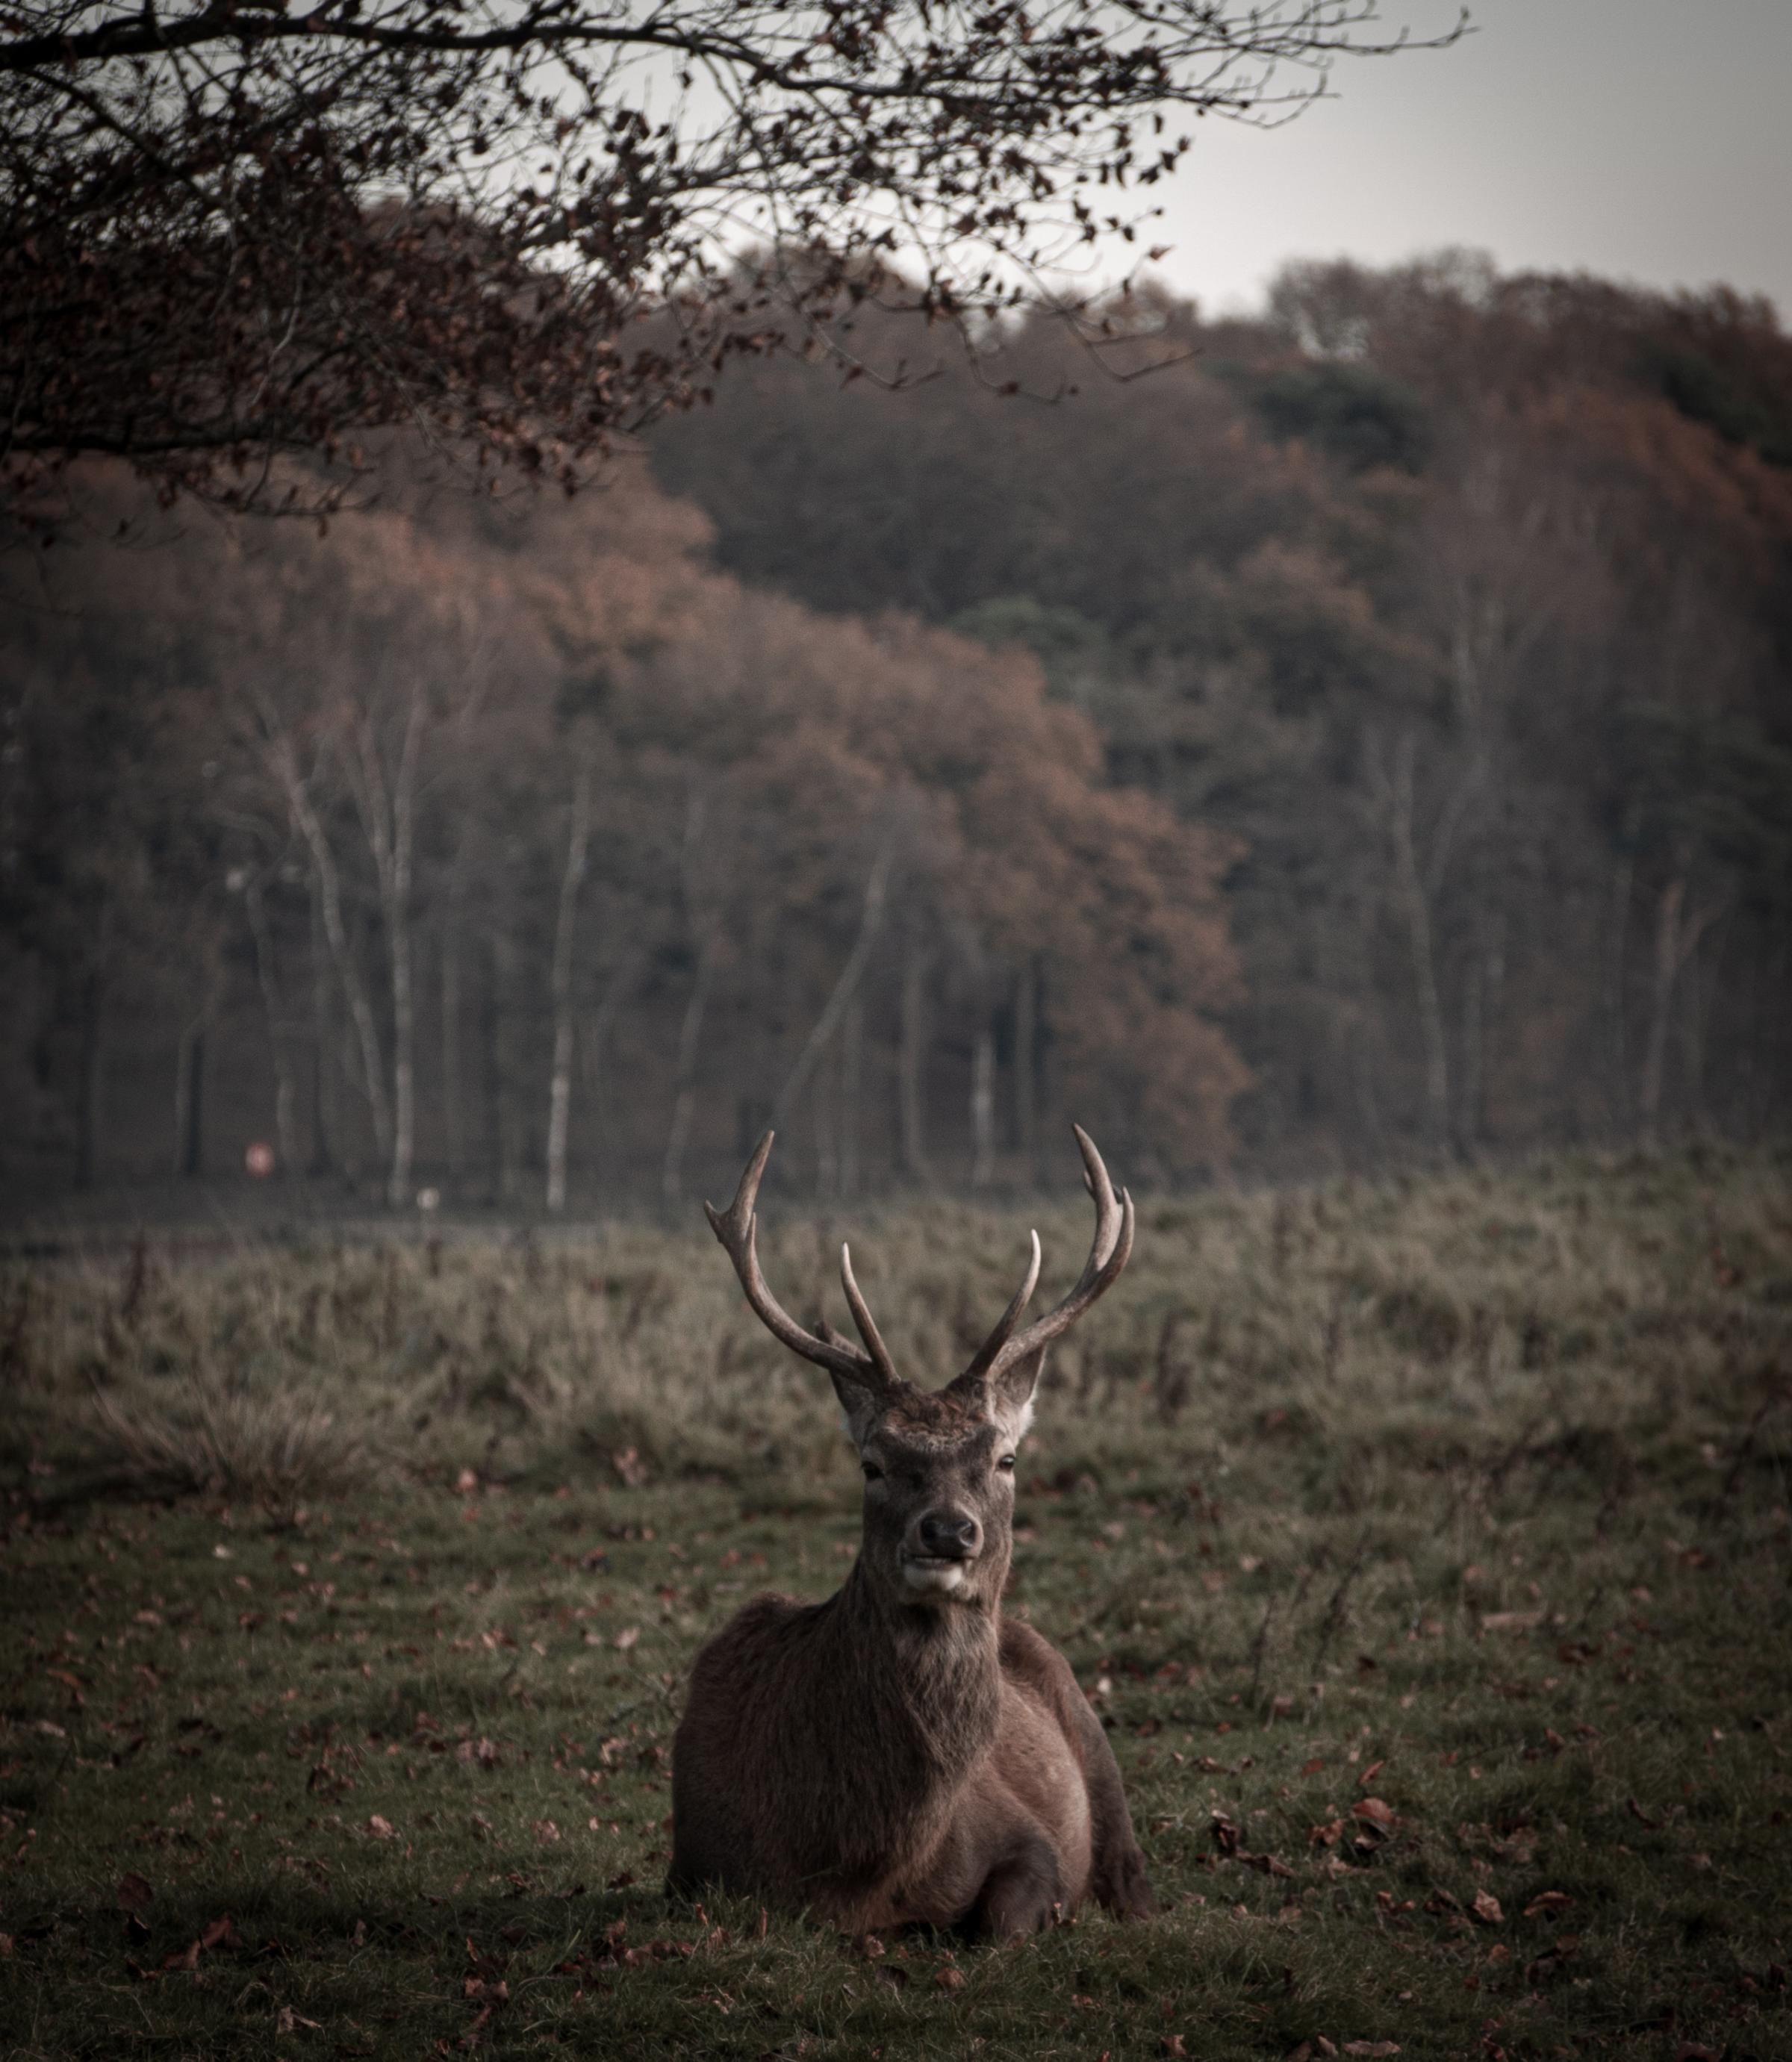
{"type": "Point", "coordinates": [391, 831]}
{"type": "Point", "coordinates": [507, 1126]}
{"type": "Point", "coordinates": [684, 1099]}
{"type": "Point", "coordinates": [982, 1107]}
{"type": "Point", "coordinates": [1472, 1042]}
{"type": "Point", "coordinates": [1026, 1040]}
{"type": "Point", "coordinates": [1667, 909]}
{"type": "Point", "coordinates": [560, 1086]}
{"type": "Point", "coordinates": [454, 1133]}
{"type": "Point", "coordinates": [824, 1100]}
{"type": "Point", "coordinates": [189, 1160]}
{"type": "Point", "coordinates": [912, 1064]}
{"type": "Point", "coordinates": [852, 1062]}
{"type": "Point", "coordinates": [1618, 1048]}
{"type": "Point", "coordinates": [1676, 940]}
{"type": "Point", "coordinates": [870, 918]}
{"type": "Point", "coordinates": [90, 1086]}
{"type": "Point", "coordinates": [1416, 905]}
{"type": "Point", "coordinates": [329, 885]}
{"type": "Point", "coordinates": [286, 1095]}
{"type": "Point", "coordinates": [326, 1128]}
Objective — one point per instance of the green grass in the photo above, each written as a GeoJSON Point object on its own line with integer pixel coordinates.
{"type": "Point", "coordinates": [349, 1595]}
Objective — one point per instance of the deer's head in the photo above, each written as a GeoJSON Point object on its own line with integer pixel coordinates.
{"type": "Point", "coordinates": [939, 1494]}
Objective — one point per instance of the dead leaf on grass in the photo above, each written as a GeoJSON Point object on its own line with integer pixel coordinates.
{"type": "Point", "coordinates": [1486, 1908]}
{"type": "Point", "coordinates": [133, 1893]}
{"type": "Point", "coordinates": [1547, 1900]}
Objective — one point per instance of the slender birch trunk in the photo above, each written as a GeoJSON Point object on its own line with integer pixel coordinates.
{"type": "Point", "coordinates": [399, 940]}
{"type": "Point", "coordinates": [285, 765]}
{"type": "Point", "coordinates": [286, 1097]}
{"type": "Point", "coordinates": [326, 1128]}
{"type": "Point", "coordinates": [454, 1132]}
{"type": "Point", "coordinates": [559, 1087]}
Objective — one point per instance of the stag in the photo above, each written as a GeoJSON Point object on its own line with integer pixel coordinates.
{"type": "Point", "coordinates": [904, 1754]}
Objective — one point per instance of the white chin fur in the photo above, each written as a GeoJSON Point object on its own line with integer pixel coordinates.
{"type": "Point", "coordinates": [942, 1576]}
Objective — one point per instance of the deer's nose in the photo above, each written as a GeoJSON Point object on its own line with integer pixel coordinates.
{"type": "Point", "coordinates": [948, 1535]}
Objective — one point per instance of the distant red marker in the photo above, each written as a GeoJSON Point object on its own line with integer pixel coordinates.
{"type": "Point", "coordinates": [259, 1159]}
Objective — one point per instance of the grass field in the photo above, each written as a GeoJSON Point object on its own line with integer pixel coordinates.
{"type": "Point", "coordinates": [1425, 1546]}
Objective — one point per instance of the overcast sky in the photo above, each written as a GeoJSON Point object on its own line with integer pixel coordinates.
{"type": "Point", "coordinates": [1646, 140]}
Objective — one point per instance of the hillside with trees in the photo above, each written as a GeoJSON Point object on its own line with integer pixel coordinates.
{"type": "Point", "coordinates": [1352, 737]}
{"type": "Point", "coordinates": [1461, 605]}
{"type": "Point", "coordinates": [525, 857]}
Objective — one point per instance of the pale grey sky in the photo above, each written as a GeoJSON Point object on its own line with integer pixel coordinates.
{"type": "Point", "coordinates": [1646, 140]}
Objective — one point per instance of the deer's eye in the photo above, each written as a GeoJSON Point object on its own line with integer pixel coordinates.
{"type": "Point", "coordinates": [1006, 1463]}
{"type": "Point", "coordinates": [873, 1472]}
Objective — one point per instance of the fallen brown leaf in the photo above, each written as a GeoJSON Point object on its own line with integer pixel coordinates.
{"type": "Point", "coordinates": [1486, 1908]}
{"type": "Point", "coordinates": [1547, 1900]}
{"type": "Point", "coordinates": [133, 1893]}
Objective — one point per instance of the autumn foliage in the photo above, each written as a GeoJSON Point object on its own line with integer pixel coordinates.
{"type": "Point", "coordinates": [373, 821]}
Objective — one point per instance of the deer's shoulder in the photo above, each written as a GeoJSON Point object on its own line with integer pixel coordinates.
{"type": "Point", "coordinates": [1030, 1659]}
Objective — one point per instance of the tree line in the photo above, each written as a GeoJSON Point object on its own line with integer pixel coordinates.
{"type": "Point", "coordinates": [524, 857]}
{"type": "Point", "coordinates": [1346, 736]}
{"type": "Point", "coordinates": [1461, 604]}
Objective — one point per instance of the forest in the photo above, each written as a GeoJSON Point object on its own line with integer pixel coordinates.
{"type": "Point", "coordinates": [1344, 738]}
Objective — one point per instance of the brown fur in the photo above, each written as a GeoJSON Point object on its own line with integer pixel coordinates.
{"type": "Point", "coordinates": [896, 1756]}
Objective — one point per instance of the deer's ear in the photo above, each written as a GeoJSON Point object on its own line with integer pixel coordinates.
{"type": "Point", "coordinates": [859, 1405]}
{"type": "Point", "coordinates": [1011, 1394]}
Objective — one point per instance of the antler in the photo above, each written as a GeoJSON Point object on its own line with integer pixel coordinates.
{"type": "Point", "coordinates": [1111, 1249]}
{"type": "Point", "coordinates": [737, 1230]}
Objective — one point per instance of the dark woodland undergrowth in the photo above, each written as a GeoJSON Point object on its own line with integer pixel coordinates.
{"type": "Point", "coordinates": [1425, 1547]}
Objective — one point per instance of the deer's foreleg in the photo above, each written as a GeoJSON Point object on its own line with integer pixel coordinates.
{"type": "Point", "coordinates": [1023, 1892]}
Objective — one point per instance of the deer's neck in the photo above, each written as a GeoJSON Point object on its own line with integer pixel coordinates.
{"type": "Point", "coordinates": [928, 1679]}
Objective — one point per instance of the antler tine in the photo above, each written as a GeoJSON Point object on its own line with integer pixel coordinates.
{"type": "Point", "coordinates": [1108, 1253]}
{"type": "Point", "coordinates": [1005, 1323]}
{"type": "Point", "coordinates": [862, 1317]}
{"type": "Point", "coordinates": [737, 1230]}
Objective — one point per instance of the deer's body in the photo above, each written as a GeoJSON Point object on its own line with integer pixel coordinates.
{"type": "Point", "coordinates": [903, 1753]}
